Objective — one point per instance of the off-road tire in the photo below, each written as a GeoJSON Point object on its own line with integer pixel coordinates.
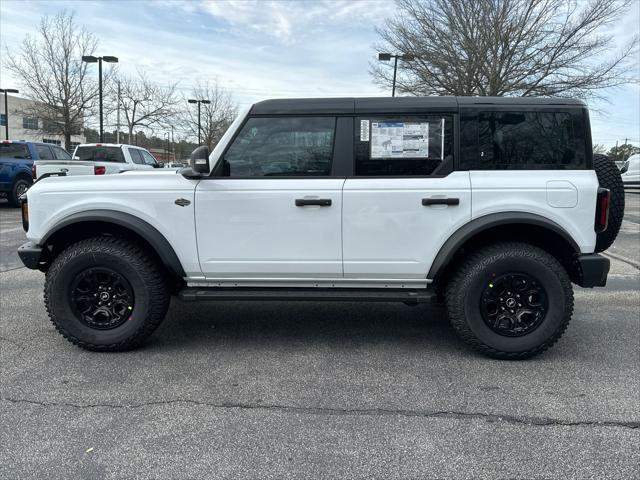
{"type": "Point", "coordinates": [467, 284]}
{"type": "Point", "coordinates": [609, 177]}
{"type": "Point", "coordinates": [128, 259]}
{"type": "Point", "coordinates": [17, 189]}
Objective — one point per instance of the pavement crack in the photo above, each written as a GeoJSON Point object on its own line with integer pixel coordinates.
{"type": "Point", "coordinates": [489, 417]}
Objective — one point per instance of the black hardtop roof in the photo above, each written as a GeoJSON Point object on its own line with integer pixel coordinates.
{"type": "Point", "coordinates": [394, 104]}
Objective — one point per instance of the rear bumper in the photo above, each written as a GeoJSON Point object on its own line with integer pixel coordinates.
{"type": "Point", "coordinates": [593, 270]}
{"type": "Point", "coordinates": [30, 254]}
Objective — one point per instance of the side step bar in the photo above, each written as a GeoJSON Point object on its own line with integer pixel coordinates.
{"type": "Point", "coordinates": [192, 294]}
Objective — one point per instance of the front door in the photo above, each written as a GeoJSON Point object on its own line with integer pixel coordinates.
{"type": "Point", "coordinates": [404, 200]}
{"type": "Point", "coordinates": [273, 211]}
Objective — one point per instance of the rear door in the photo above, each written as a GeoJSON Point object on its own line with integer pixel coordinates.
{"type": "Point", "coordinates": [404, 199]}
{"type": "Point", "coordinates": [274, 210]}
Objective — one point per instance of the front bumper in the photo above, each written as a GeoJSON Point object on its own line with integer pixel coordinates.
{"type": "Point", "coordinates": [30, 254]}
{"type": "Point", "coordinates": [592, 270]}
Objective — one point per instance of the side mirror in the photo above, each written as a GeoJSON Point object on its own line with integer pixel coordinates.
{"type": "Point", "coordinates": [159, 164]}
{"type": "Point", "coordinates": [200, 159]}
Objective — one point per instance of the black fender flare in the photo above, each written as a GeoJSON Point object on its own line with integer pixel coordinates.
{"type": "Point", "coordinates": [146, 231]}
{"type": "Point", "coordinates": [486, 222]}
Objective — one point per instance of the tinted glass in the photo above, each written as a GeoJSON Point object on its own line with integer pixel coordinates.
{"type": "Point", "coordinates": [60, 154]}
{"type": "Point", "coordinates": [524, 140]}
{"type": "Point", "coordinates": [135, 156]}
{"type": "Point", "coordinates": [14, 150]}
{"type": "Point", "coordinates": [100, 154]}
{"type": "Point", "coordinates": [407, 145]}
{"type": "Point", "coordinates": [282, 146]}
{"type": "Point", "coordinates": [44, 153]}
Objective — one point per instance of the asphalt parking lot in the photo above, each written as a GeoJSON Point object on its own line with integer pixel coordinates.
{"type": "Point", "coordinates": [323, 390]}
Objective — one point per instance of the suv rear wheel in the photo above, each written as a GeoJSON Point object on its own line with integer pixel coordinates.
{"type": "Point", "coordinates": [106, 294]}
{"type": "Point", "coordinates": [510, 300]}
{"type": "Point", "coordinates": [20, 186]}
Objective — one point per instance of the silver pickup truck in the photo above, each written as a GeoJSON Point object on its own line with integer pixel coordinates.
{"type": "Point", "coordinates": [98, 159]}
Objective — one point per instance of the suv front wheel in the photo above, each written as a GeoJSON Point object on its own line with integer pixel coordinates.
{"type": "Point", "coordinates": [106, 294]}
{"type": "Point", "coordinates": [510, 300]}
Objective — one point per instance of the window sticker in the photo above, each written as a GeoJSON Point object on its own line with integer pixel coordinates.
{"type": "Point", "coordinates": [364, 130]}
{"type": "Point", "coordinates": [399, 140]}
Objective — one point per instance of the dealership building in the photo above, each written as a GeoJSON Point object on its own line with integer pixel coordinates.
{"type": "Point", "coordinates": [25, 126]}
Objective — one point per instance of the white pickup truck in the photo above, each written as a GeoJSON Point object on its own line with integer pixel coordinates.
{"type": "Point", "coordinates": [98, 159]}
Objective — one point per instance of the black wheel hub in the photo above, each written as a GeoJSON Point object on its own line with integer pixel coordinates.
{"type": "Point", "coordinates": [21, 188]}
{"type": "Point", "coordinates": [514, 304]}
{"type": "Point", "coordinates": [101, 298]}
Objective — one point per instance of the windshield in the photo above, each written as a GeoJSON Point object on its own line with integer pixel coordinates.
{"type": "Point", "coordinates": [99, 154]}
{"type": "Point", "coordinates": [14, 150]}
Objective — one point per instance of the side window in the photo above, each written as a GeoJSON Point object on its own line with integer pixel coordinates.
{"type": "Point", "coordinates": [60, 154]}
{"type": "Point", "coordinates": [44, 153]}
{"type": "Point", "coordinates": [403, 145]}
{"type": "Point", "coordinates": [282, 146]}
{"type": "Point", "coordinates": [135, 156]}
{"type": "Point", "coordinates": [523, 140]}
{"type": "Point", "coordinates": [147, 157]}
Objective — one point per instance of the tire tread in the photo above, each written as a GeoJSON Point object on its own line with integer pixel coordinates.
{"type": "Point", "coordinates": [473, 264]}
{"type": "Point", "coordinates": [153, 276]}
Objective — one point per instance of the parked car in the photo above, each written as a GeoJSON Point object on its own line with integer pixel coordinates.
{"type": "Point", "coordinates": [631, 171]}
{"type": "Point", "coordinates": [494, 205]}
{"type": "Point", "coordinates": [99, 159]}
{"type": "Point", "coordinates": [16, 161]}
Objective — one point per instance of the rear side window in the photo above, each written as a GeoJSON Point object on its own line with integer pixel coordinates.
{"type": "Point", "coordinates": [135, 156]}
{"type": "Point", "coordinates": [14, 150]}
{"type": "Point", "coordinates": [44, 153]}
{"type": "Point", "coordinates": [509, 140]}
{"type": "Point", "coordinates": [282, 146]}
{"type": "Point", "coordinates": [100, 154]}
{"type": "Point", "coordinates": [402, 146]}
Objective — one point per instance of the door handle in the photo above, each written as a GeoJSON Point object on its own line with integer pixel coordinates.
{"type": "Point", "coordinates": [440, 201]}
{"type": "Point", "coordinates": [321, 202]}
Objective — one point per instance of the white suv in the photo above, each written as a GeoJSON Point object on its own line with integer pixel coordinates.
{"type": "Point", "coordinates": [495, 205]}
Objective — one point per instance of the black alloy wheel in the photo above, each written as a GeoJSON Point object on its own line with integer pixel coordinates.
{"type": "Point", "coordinates": [514, 304]}
{"type": "Point", "coordinates": [101, 298]}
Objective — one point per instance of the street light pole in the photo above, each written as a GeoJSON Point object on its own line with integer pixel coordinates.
{"type": "Point", "coordinates": [192, 100]}
{"type": "Point", "coordinates": [6, 109]}
{"type": "Point", "coordinates": [385, 57]}
{"type": "Point", "coordinates": [92, 59]}
{"type": "Point", "coordinates": [100, 96]}
{"type": "Point", "coordinates": [168, 148]}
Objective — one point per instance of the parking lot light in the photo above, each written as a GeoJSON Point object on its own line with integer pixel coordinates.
{"type": "Point", "coordinates": [199, 102]}
{"type": "Point", "coordinates": [92, 59]}
{"type": "Point", "coordinates": [385, 57]}
{"type": "Point", "coordinates": [6, 109]}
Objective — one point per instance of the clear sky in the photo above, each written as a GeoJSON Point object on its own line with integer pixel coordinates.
{"type": "Point", "coordinates": [265, 49]}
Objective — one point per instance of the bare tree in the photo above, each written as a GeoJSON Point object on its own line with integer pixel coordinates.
{"type": "Point", "coordinates": [215, 117]}
{"type": "Point", "coordinates": [599, 148]}
{"type": "Point", "coordinates": [51, 73]}
{"type": "Point", "coordinates": [143, 103]}
{"type": "Point", "coordinates": [506, 47]}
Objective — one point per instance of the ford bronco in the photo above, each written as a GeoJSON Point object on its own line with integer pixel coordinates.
{"type": "Point", "coordinates": [493, 205]}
